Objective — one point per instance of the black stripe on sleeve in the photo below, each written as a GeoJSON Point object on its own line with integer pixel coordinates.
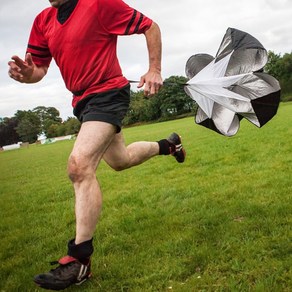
{"type": "Point", "coordinates": [139, 22]}
{"type": "Point", "coordinates": [38, 48]}
{"type": "Point", "coordinates": [41, 56]}
{"type": "Point", "coordinates": [131, 22]}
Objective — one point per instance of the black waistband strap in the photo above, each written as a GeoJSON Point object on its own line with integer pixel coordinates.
{"type": "Point", "coordinates": [81, 92]}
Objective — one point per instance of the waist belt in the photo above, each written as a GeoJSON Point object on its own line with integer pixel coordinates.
{"type": "Point", "coordinates": [80, 92]}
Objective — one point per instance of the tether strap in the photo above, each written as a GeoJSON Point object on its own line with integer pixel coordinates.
{"type": "Point", "coordinates": [165, 83]}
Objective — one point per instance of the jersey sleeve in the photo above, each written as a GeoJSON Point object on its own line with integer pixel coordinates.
{"type": "Point", "coordinates": [37, 45]}
{"type": "Point", "coordinates": [120, 19]}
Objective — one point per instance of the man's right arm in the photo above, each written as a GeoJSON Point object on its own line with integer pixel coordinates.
{"type": "Point", "coordinates": [26, 71]}
{"type": "Point", "coordinates": [152, 79]}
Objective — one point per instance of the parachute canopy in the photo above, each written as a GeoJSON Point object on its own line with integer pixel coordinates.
{"type": "Point", "coordinates": [232, 85]}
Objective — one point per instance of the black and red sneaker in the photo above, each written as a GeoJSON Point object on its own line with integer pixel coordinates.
{"type": "Point", "coordinates": [177, 150]}
{"type": "Point", "coordinates": [70, 271]}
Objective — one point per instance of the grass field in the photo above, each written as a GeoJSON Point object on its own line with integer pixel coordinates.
{"type": "Point", "coordinates": [221, 221]}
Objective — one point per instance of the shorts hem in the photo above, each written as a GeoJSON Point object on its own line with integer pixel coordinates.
{"type": "Point", "coordinates": [107, 118]}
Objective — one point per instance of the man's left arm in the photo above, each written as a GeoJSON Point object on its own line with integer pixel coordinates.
{"type": "Point", "coordinates": [152, 79]}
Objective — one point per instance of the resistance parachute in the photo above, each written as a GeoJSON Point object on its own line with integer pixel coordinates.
{"type": "Point", "coordinates": [232, 85]}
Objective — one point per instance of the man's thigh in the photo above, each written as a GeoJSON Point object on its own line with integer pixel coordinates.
{"type": "Point", "coordinates": [92, 141]}
{"type": "Point", "coordinates": [109, 106]}
{"type": "Point", "coordinates": [116, 154]}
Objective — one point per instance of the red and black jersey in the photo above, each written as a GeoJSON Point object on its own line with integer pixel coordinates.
{"type": "Point", "coordinates": [84, 46]}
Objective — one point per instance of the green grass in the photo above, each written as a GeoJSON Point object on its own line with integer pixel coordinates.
{"type": "Point", "coordinates": [221, 221]}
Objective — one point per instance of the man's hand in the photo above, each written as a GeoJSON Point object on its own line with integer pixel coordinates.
{"type": "Point", "coordinates": [25, 71]}
{"type": "Point", "coordinates": [21, 70]}
{"type": "Point", "coordinates": [152, 79]}
{"type": "Point", "coordinates": [153, 82]}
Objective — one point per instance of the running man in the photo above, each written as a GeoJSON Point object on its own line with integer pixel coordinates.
{"type": "Point", "coordinates": [81, 36]}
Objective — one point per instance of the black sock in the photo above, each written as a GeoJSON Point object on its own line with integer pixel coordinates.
{"type": "Point", "coordinates": [165, 148]}
{"type": "Point", "coordinates": [81, 251]}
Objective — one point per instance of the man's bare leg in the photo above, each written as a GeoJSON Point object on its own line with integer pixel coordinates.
{"type": "Point", "coordinates": [119, 156]}
{"type": "Point", "coordinates": [92, 141]}
{"type": "Point", "coordinates": [97, 140]}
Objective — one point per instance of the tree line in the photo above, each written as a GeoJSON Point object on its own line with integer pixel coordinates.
{"type": "Point", "coordinates": [171, 102]}
{"type": "Point", "coordinates": [27, 126]}
{"type": "Point", "coordinates": [281, 68]}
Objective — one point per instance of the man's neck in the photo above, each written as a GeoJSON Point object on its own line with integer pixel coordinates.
{"type": "Point", "coordinates": [65, 10]}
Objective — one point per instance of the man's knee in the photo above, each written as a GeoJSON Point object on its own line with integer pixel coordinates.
{"type": "Point", "coordinates": [77, 168]}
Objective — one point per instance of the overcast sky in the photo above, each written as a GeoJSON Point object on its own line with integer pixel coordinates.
{"type": "Point", "coordinates": [188, 27]}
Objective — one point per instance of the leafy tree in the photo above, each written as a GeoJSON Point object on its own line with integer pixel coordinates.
{"type": "Point", "coordinates": [29, 126]}
{"type": "Point", "coordinates": [285, 78]}
{"type": "Point", "coordinates": [281, 68]}
{"type": "Point", "coordinates": [69, 127]}
{"type": "Point", "coordinates": [72, 126]}
{"type": "Point", "coordinates": [154, 108]}
{"type": "Point", "coordinates": [8, 134]}
{"type": "Point", "coordinates": [61, 130]}
{"type": "Point", "coordinates": [173, 99]}
{"type": "Point", "coordinates": [169, 102]}
{"type": "Point", "coordinates": [52, 131]}
{"type": "Point", "coordinates": [137, 111]}
{"type": "Point", "coordinates": [47, 116]}
{"type": "Point", "coordinates": [272, 67]}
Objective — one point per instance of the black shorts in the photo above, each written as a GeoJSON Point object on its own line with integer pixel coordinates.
{"type": "Point", "coordinates": [109, 106]}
